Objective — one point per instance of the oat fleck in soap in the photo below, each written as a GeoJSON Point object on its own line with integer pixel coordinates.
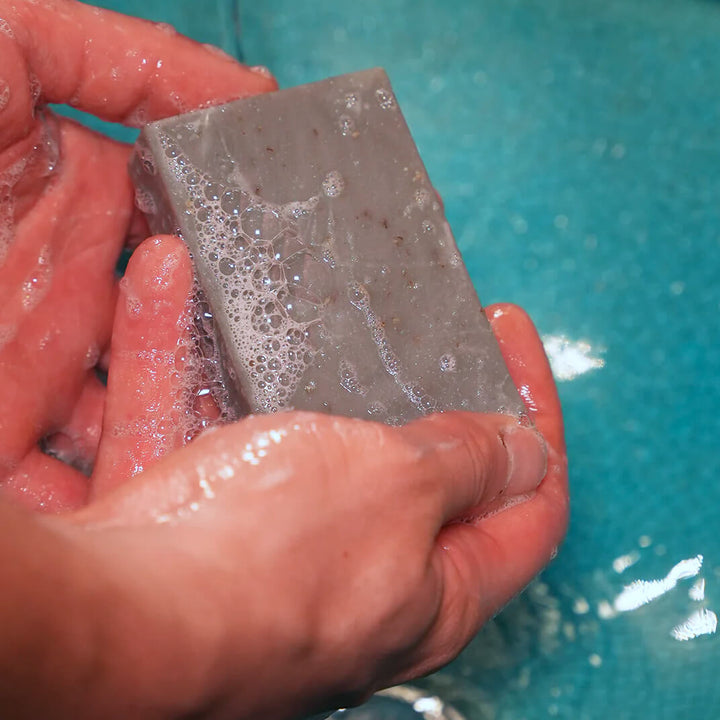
{"type": "Point", "coordinates": [324, 254]}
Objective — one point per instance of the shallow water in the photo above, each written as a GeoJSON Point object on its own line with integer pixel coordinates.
{"type": "Point", "coordinates": [577, 149]}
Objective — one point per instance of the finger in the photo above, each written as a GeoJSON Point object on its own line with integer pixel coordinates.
{"type": "Point", "coordinates": [146, 403]}
{"type": "Point", "coordinates": [525, 357]}
{"type": "Point", "coordinates": [57, 289]}
{"type": "Point", "coordinates": [471, 459]}
{"type": "Point", "coordinates": [485, 563]}
{"type": "Point", "coordinates": [119, 68]}
{"type": "Point", "coordinates": [44, 484]}
{"type": "Point", "coordinates": [76, 443]}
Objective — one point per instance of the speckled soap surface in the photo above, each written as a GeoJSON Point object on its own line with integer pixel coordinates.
{"type": "Point", "coordinates": [323, 252]}
{"type": "Point", "coordinates": [577, 148]}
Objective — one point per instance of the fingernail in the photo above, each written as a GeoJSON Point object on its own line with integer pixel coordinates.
{"type": "Point", "coordinates": [527, 459]}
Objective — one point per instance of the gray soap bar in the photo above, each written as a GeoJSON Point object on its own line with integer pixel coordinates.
{"type": "Point", "coordinates": [324, 254]}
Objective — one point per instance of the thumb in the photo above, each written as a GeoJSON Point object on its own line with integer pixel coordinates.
{"type": "Point", "coordinates": [477, 459]}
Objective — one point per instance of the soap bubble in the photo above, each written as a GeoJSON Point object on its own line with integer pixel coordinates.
{"type": "Point", "coordinates": [230, 202]}
{"type": "Point", "coordinates": [213, 191]}
{"type": "Point", "coordinates": [249, 239]}
{"type": "Point", "coordinates": [348, 376]}
{"type": "Point", "coordinates": [226, 266]}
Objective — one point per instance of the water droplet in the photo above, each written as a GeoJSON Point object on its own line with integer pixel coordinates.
{"type": "Point", "coordinates": [213, 191]}
{"type": "Point", "coordinates": [333, 184]}
{"type": "Point", "coordinates": [349, 378]}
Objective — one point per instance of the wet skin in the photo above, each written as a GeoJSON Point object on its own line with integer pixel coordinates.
{"type": "Point", "coordinates": [271, 567]}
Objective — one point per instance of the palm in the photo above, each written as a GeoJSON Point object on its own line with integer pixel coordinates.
{"type": "Point", "coordinates": [66, 211]}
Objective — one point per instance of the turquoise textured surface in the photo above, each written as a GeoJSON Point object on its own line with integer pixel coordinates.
{"type": "Point", "coordinates": [577, 149]}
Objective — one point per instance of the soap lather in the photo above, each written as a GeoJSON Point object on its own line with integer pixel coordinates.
{"type": "Point", "coordinates": [323, 251]}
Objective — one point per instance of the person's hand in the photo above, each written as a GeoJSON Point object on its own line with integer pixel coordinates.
{"type": "Point", "coordinates": [66, 209]}
{"type": "Point", "coordinates": [272, 567]}
{"type": "Point", "coordinates": [289, 563]}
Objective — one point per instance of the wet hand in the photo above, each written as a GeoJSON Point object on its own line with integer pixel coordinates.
{"type": "Point", "coordinates": [66, 210]}
{"type": "Point", "coordinates": [294, 562]}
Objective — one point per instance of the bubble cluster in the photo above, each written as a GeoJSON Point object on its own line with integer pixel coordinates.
{"type": "Point", "coordinates": [349, 378]}
{"type": "Point", "coordinates": [359, 297]}
{"type": "Point", "coordinates": [261, 256]}
{"type": "Point", "coordinates": [385, 99]}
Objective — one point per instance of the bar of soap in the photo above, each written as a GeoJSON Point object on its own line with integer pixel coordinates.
{"type": "Point", "coordinates": [323, 251]}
